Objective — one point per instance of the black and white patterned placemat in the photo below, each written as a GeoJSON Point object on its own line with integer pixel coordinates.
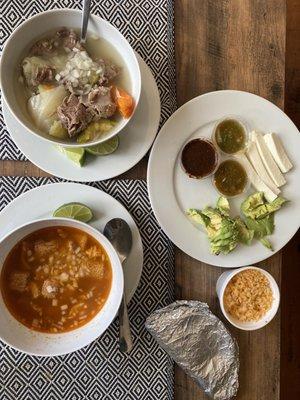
{"type": "Point", "coordinates": [147, 25]}
{"type": "Point", "coordinates": [100, 371]}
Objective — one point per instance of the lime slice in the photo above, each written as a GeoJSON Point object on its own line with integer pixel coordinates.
{"type": "Point", "coordinates": [77, 155]}
{"type": "Point", "coordinates": [105, 148]}
{"type": "Point", "coordinates": [74, 211]}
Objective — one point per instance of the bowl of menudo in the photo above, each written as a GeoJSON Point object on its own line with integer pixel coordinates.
{"type": "Point", "coordinates": [61, 286]}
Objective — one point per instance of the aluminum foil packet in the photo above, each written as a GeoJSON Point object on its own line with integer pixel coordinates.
{"type": "Point", "coordinates": [200, 344]}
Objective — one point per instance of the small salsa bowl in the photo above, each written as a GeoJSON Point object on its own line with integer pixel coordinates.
{"type": "Point", "coordinates": [196, 140]}
{"type": "Point", "coordinates": [33, 29]}
{"type": "Point", "coordinates": [37, 343]}
{"type": "Point", "coordinates": [247, 183]}
{"type": "Point", "coordinates": [245, 127]}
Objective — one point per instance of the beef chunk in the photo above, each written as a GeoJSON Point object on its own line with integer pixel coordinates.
{"type": "Point", "coordinates": [42, 248]}
{"type": "Point", "coordinates": [50, 288]}
{"type": "Point", "coordinates": [110, 71]}
{"type": "Point", "coordinates": [35, 292]}
{"type": "Point", "coordinates": [44, 75]}
{"type": "Point", "coordinates": [18, 281]}
{"type": "Point", "coordinates": [95, 269]}
{"type": "Point", "coordinates": [93, 252]}
{"type": "Point", "coordinates": [74, 115]}
{"type": "Point", "coordinates": [100, 101]}
{"type": "Point", "coordinates": [65, 37]}
{"type": "Point", "coordinates": [36, 71]}
{"type": "Point", "coordinates": [81, 240]}
{"type": "Point", "coordinates": [69, 39]}
{"type": "Point", "coordinates": [43, 47]}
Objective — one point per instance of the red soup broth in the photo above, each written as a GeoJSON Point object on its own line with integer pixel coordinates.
{"type": "Point", "coordinates": [56, 279]}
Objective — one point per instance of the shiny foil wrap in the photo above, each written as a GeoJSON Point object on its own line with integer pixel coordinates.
{"type": "Point", "coordinates": [200, 344]}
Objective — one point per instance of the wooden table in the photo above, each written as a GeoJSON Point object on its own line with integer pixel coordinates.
{"type": "Point", "coordinates": [237, 44]}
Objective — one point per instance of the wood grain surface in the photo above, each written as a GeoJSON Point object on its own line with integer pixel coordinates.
{"type": "Point", "coordinates": [237, 44]}
{"type": "Point", "coordinates": [290, 299]}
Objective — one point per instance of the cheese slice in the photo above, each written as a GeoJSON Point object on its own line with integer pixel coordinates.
{"type": "Point", "coordinates": [257, 164]}
{"type": "Point", "coordinates": [278, 153]}
{"type": "Point", "coordinates": [255, 180]}
{"type": "Point", "coordinates": [267, 159]}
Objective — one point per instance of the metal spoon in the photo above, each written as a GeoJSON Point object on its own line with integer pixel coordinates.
{"type": "Point", "coordinates": [119, 234]}
{"type": "Point", "coordinates": [85, 19]}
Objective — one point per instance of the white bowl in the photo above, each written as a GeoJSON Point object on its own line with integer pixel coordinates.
{"type": "Point", "coordinates": [32, 29]}
{"type": "Point", "coordinates": [22, 338]}
{"type": "Point", "coordinates": [248, 326]}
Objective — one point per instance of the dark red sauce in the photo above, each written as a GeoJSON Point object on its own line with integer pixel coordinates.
{"type": "Point", "coordinates": [199, 158]}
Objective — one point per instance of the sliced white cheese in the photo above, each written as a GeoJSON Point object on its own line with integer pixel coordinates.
{"type": "Point", "coordinates": [278, 153]}
{"type": "Point", "coordinates": [267, 159]}
{"type": "Point", "coordinates": [257, 164]}
{"type": "Point", "coordinates": [255, 180]}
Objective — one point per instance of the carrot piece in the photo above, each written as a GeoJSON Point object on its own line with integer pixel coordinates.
{"type": "Point", "coordinates": [46, 86]}
{"type": "Point", "coordinates": [124, 102]}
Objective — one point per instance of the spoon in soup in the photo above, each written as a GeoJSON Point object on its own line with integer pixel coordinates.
{"type": "Point", "coordinates": [85, 19]}
{"type": "Point", "coordinates": [119, 234]}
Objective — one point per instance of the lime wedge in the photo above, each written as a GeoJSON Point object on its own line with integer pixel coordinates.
{"type": "Point", "coordinates": [74, 211]}
{"type": "Point", "coordinates": [75, 154]}
{"type": "Point", "coordinates": [105, 148]}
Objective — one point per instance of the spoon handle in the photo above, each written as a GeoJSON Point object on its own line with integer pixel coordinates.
{"type": "Point", "coordinates": [85, 19]}
{"type": "Point", "coordinates": [125, 339]}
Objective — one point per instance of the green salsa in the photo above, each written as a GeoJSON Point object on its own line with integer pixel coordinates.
{"type": "Point", "coordinates": [230, 136]}
{"type": "Point", "coordinates": [230, 178]}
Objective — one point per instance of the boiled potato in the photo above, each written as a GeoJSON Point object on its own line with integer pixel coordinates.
{"type": "Point", "coordinates": [42, 107]}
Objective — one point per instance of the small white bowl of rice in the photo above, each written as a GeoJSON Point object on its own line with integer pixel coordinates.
{"type": "Point", "coordinates": [249, 297]}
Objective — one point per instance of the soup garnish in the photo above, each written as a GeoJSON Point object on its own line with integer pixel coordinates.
{"type": "Point", "coordinates": [56, 279]}
{"type": "Point", "coordinates": [70, 89]}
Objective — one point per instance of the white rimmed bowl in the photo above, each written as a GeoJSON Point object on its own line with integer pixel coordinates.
{"type": "Point", "coordinates": [28, 341]}
{"type": "Point", "coordinates": [248, 326]}
{"type": "Point", "coordinates": [40, 24]}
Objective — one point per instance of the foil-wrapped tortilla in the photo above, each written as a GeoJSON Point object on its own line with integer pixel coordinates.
{"type": "Point", "coordinates": [200, 344]}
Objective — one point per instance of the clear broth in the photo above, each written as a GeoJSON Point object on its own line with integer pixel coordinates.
{"type": "Point", "coordinates": [96, 47]}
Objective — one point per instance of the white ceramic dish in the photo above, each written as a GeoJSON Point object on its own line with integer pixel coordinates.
{"type": "Point", "coordinates": [135, 140]}
{"type": "Point", "coordinates": [24, 339]}
{"type": "Point", "coordinates": [40, 24]}
{"type": "Point", "coordinates": [39, 203]}
{"type": "Point", "coordinates": [248, 326]}
{"type": "Point", "coordinates": [172, 192]}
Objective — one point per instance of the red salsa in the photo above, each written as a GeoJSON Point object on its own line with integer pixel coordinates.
{"type": "Point", "coordinates": [199, 158]}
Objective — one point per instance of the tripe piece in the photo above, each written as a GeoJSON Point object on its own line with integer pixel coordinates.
{"type": "Point", "coordinates": [257, 163]}
{"type": "Point", "coordinates": [255, 179]}
{"type": "Point", "coordinates": [267, 159]}
{"type": "Point", "coordinates": [276, 148]}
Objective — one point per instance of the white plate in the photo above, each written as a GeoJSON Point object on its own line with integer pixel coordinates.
{"type": "Point", "coordinates": [135, 140]}
{"type": "Point", "coordinates": [40, 203]}
{"type": "Point", "coordinates": [172, 192]}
